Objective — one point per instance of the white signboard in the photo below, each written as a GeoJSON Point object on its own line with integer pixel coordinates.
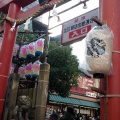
{"type": "Point", "coordinates": [90, 94]}
{"type": "Point", "coordinates": [78, 27]}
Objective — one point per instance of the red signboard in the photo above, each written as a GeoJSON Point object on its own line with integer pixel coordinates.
{"type": "Point", "coordinates": [79, 32]}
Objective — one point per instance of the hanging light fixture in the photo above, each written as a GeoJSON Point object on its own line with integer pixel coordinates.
{"type": "Point", "coordinates": [85, 5]}
{"type": "Point", "coordinates": [55, 14]}
{"type": "Point", "coordinates": [58, 19]}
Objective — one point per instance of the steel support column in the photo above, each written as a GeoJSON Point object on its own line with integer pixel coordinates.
{"type": "Point", "coordinates": [110, 12]}
{"type": "Point", "coordinates": [6, 53]}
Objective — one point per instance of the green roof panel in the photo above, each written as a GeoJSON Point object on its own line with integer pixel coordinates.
{"type": "Point", "coordinates": [73, 101]}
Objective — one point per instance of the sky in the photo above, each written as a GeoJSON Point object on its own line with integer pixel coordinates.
{"type": "Point", "coordinates": [78, 47]}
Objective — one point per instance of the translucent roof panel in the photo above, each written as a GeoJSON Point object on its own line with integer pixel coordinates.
{"type": "Point", "coordinates": [69, 14]}
{"type": "Point", "coordinates": [30, 5]}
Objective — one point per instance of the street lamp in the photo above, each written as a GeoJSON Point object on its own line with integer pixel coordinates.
{"type": "Point", "coordinates": [85, 5]}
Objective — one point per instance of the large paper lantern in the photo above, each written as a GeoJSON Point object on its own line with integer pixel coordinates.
{"type": "Point", "coordinates": [39, 46]}
{"type": "Point", "coordinates": [16, 48]}
{"type": "Point", "coordinates": [23, 52]}
{"type": "Point", "coordinates": [28, 71]}
{"type": "Point", "coordinates": [36, 68]}
{"type": "Point", "coordinates": [31, 50]}
{"type": "Point", "coordinates": [12, 68]}
{"type": "Point", "coordinates": [99, 50]}
{"type": "Point", "coordinates": [21, 72]}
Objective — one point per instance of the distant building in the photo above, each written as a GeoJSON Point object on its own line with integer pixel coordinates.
{"type": "Point", "coordinates": [82, 98]}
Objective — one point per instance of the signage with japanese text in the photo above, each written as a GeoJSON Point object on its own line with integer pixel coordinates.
{"type": "Point", "coordinates": [84, 87]}
{"type": "Point", "coordinates": [77, 28]}
{"type": "Point", "coordinates": [90, 94]}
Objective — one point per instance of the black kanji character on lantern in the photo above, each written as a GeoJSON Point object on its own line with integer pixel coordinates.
{"type": "Point", "coordinates": [96, 47]}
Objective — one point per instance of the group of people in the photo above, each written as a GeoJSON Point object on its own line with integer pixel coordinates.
{"type": "Point", "coordinates": [71, 115]}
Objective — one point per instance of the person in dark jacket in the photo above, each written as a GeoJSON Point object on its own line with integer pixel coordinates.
{"type": "Point", "coordinates": [69, 115]}
{"type": "Point", "coordinates": [79, 116]}
{"type": "Point", "coordinates": [54, 116]}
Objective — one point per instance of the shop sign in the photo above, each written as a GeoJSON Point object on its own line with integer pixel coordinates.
{"type": "Point", "coordinates": [84, 85]}
{"type": "Point", "coordinates": [77, 28]}
{"type": "Point", "coordinates": [90, 94]}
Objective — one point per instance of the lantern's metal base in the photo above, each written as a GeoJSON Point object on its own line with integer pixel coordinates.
{"type": "Point", "coordinates": [98, 75]}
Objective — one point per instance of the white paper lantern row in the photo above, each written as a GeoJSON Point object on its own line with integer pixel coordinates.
{"type": "Point", "coordinates": [31, 50]}
{"type": "Point", "coordinates": [30, 70]}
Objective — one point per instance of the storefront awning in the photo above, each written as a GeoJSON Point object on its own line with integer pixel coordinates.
{"type": "Point", "coordinates": [73, 101]}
